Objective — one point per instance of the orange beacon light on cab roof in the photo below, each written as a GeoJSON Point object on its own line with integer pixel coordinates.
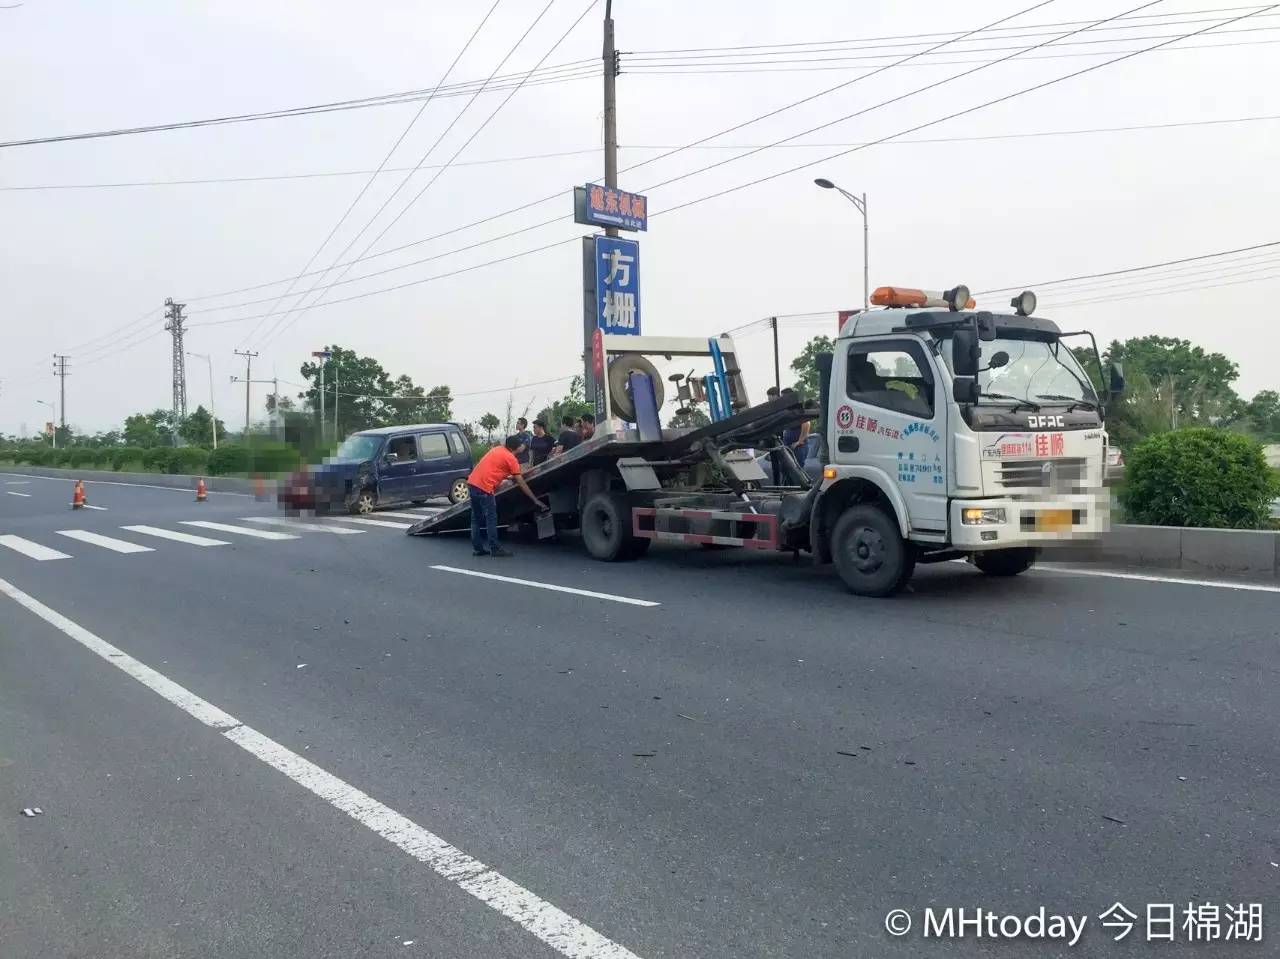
{"type": "Point", "coordinates": [903, 296]}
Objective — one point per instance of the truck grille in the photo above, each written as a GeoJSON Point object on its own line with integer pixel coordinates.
{"type": "Point", "coordinates": [1058, 474]}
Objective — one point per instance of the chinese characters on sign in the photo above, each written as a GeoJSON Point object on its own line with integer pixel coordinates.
{"type": "Point", "coordinates": [617, 285]}
{"type": "Point", "coordinates": [1042, 445]}
{"type": "Point", "coordinates": [602, 206]}
{"type": "Point", "coordinates": [911, 465]}
{"type": "Point", "coordinates": [1197, 922]}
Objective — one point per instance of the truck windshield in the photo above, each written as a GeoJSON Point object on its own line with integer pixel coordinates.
{"type": "Point", "coordinates": [1041, 372]}
{"type": "Point", "coordinates": [357, 447]}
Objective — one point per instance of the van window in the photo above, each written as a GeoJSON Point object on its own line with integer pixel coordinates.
{"type": "Point", "coordinates": [893, 375]}
{"type": "Point", "coordinates": [402, 450]}
{"type": "Point", "coordinates": [432, 446]}
{"type": "Point", "coordinates": [458, 444]}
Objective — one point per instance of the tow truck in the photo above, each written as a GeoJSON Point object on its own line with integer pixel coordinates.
{"type": "Point", "coordinates": [946, 432]}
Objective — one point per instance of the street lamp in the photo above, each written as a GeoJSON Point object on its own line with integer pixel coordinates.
{"type": "Point", "coordinates": [53, 412]}
{"type": "Point", "coordinates": [213, 412]}
{"type": "Point", "coordinates": [861, 203]}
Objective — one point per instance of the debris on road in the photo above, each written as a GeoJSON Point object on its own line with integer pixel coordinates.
{"type": "Point", "coordinates": [644, 755]}
{"type": "Point", "coordinates": [844, 752]}
{"type": "Point", "coordinates": [300, 665]}
{"type": "Point", "coordinates": [33, 811]}
{"type": "Point", "coordinates": [1119, 822]}
{"type": "Point", "coordinates": [692, 719]}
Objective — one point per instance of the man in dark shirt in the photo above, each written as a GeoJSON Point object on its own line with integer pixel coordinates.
{"type": "Point", "coordinates": [524, 436]}
{"type": "Point", "coordinates": [569, 436]}
{"type": "Point", "coordinates": [586, 426]}
{"type": "Point", "coordinates": [541, 443]}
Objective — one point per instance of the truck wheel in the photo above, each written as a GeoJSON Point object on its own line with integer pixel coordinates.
{"type": "Point", "coordinates": [1005, 562]}
{"type": "Point", "coordinates": [458, 491]}
{"type": "Point", "coordinates": [870, 555]}
{"type": "Point", "coordinates": [606, 529]}
{"type": "Point", "coordinates": [364, 502]}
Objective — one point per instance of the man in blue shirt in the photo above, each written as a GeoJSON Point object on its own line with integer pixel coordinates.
{"type": "Point", "coordinates": [523, 435]}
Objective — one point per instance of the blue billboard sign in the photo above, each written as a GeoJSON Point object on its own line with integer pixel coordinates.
{"type": "Point", "coordinates": [605, 206]}
{"type": "Point", "coordinates": [617, 285]}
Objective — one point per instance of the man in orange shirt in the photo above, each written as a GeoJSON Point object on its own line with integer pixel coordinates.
{"type": "Point", "coordinates": [494, 467]}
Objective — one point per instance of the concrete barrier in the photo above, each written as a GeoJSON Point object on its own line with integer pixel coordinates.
{"type": "Point", "coordinates": [1254, 554]}
{"type": "Point", "coordinates": [215, 484]}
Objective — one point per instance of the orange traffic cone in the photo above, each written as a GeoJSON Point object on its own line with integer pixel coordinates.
{"type": "Point", "coordinates": [259, 487]}
{"type": "Point", "coordinates": [77, 498]}
{"type": "Point", "coordinates": [201, 493]}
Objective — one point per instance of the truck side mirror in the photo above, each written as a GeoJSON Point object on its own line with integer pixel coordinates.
{"type": "Point", "coordinates": [965, 353]}
{"type": "Point", "coordinates": [1116, 385]}
{"type": "Point", "coordinates": [965, 389]}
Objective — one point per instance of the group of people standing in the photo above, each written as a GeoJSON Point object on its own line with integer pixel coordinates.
{"type": "Point", "coordinates": [521, 449]}
{"type": "Point", "coordinates": [539, 446]}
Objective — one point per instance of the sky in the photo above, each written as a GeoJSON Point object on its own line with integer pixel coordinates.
{"type": "Point", "coordinates": [969, 200]}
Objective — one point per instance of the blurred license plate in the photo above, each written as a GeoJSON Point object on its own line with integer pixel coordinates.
{"type": "Point", "coordinates": [1053, 520]}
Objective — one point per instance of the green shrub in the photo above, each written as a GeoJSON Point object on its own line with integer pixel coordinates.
{"type": "Point", "coordinates": [193, 460]}
{"type": "Point", "coordinates": [36, 455]}
{"type": "Point", "coordinates": [158, 459]}
{"type": "Point", "coordinates": [80, 456]}
{"type": "Point", "coordinates": [122, 456]}
{"type": "Point", "coordinates": [256, 458]}
{"type": "Point", "coordinates": [1198, 477]}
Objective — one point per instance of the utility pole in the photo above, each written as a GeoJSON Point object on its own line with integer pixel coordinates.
{"type": "Point", "coordinates": [248, 385]}
{"type": "Point", "coordinates": [322, 357]}
{"type": "Point", "coordinates": [173, 323]}
{"type": "Point", "coordinates": [60, 371]}
{"type": "Point", "coordinates": [610, 57]}
{"type": "Point", "coordinates": [337, 384]}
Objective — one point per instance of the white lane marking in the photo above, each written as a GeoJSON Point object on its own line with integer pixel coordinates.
{"type": "Point", "coordinates": [17, 482]}
{"type": "Point", "coordinates": [298, 524]}
{"type": "Point", "coordinates": [98, 482]}
{"type": "Point", "coordinates": [551, 586]}
{"type": "Point", "coordinates": [28, 548]}
{"type": "Point", "coordinates": [189, 538]}
{"type": "Point", "coordinates": [242, 530]}
{"type": "Point", "coordinates": [103, 508]}
{"type": "Point", "coordinates": [16, 493]}
{"type": "Point", "coordinates": [1151, 578]}
{"type": "Point", "coordinates": [106, 542]}
{"type": "Point", "coordinates": [372, 522]}
{"type": "Point", "coordinates": [563, 933]}
{"type": "Point", "coordinates": [413, 516]}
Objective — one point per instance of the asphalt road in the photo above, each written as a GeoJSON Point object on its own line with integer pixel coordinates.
{"type": "Point", "coordinates": [755, 765]}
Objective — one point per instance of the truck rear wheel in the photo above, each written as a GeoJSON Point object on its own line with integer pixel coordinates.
{"type": "Point", "coordinates": [606, 529]}
{"type": "Point", "coordinates": [870, 555]}
{"type": "Point", "coordinates": [1005, 562]}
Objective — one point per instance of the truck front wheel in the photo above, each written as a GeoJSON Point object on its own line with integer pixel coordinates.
{"type": "Point", "coordinates": [606, 529]}
{"type": "Point", "coordinates": [870, 555]}
{"type": "Point", "coordinates": [1005, 562]}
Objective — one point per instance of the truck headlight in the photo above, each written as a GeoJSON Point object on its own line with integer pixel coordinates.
{"type": "Point", "coordinates": [978, 517]}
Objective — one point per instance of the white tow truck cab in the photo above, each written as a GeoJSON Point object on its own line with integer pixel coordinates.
{"type": "Point", "coordinates": [946, 432]}
{"type": "Point", "coordinates": [954, 432]}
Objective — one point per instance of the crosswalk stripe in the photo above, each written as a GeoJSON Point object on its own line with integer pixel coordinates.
{"type": "Point", "coordinates": [106, 542]}
{"type": "Point", "coordinates": [28, 548]}
{"type": "Point", "coordinates": [189, 538]}
{"type": "Point", "coordinates": [16, 493]}
{"type": "Point", "coordinates": [242, 530]}
{"type": "Point", "coordinates": [103, 508]}
{"type": "Point", "coordinates": [413, 516]}
{"type": "Point", "coordinates": [298, 524]}
{"type": "Point", "coordinates": [372, 522]}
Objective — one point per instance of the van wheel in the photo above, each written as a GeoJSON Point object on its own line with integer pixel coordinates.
{"type": "Point", "coordinates": [1005, 562]}
{"type": "Point", "coordinates": [364, 502]}
{"type": "Point", "coordinates": [869, 553]}
{"type": "Point", "coordinates": [606, 529]}
{"type": "Point", "coordinates": [458, 491]}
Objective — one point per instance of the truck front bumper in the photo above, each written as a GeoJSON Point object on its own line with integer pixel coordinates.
{"type": "Point", "coordinates": [1008, 522]}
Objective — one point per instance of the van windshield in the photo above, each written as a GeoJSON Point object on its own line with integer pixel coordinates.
{"type": "Point", "coordinates": [1036, 370]}
{"type": "Point", "coordinates": [357, 448]}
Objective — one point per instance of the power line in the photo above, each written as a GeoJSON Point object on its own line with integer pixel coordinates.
{"type": "Point", "coordinates": [648, 146]}
{"type": "Point", "coordinates": [1139, 285]}
{"type": "Point", "coordinates": [1166, 292]}
{"type": "Point", "coordinates": [553, 74]}
{"type": "Point", "coordinates": [1001, 99]}
{"type": "Point", "coordinates": [452, 395]}
{"type": "Point", "coordinates": [284, 323]}
{"type": "Point", "coordinates": [922, 36]}
{"type": "Point", "coordinates": [559, 195]}
{"type": "Point", "coordinates": [385, 160]}
{"type": "Point", "coordinates": [952, 116]}
{"type": "Point", "coordinates": [1131, 269]}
